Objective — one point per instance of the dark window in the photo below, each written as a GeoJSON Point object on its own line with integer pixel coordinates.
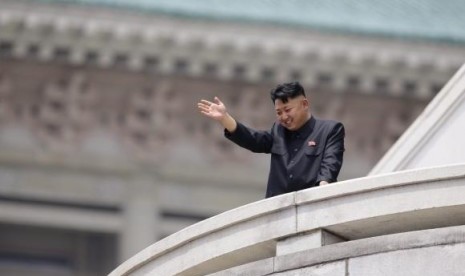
{"type": "Point", "coordinates": [324, 78]}
{"type": "Point", "coordinates": [91, 57]}
{"type": "Point", "coordinates": [6, 48]}
{"type": "Point", "coordinates": [120, 60]}
{"type": "Point", "coordinates": [143, 114]}
{"type": "Point", "coordinates": [353, 81]}
{"type": "Point", "coordinates": [409, 87]}
{"type": "Point", "coordinates": [210, 69]}
{"type": "Point", "coordinates": [239, 71]}
{"type": "Point", "coordinates": [57, 106]}
{"type": "Point", "coordinates": [181, 66]}
{"type": "Point", "coordinates": [268, 74]}
{"type": "Point", "coordinates": [381, 85]}
{"type": "Point", "coordinates": [404, 117]}
{"type": "Point", "coordinates": [295, 75]}
{"type": "Point", "coordinates": [151, 63]}
{"type": "Point", "coordinates": [61, 53]}
{"type": "Point", "coordinates": [33, 50]}
{"type": "Point", "coordinates": [53, 129]}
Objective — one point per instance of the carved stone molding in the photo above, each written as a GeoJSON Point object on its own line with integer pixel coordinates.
{"type": "Point", "coordinates": [223, 50]}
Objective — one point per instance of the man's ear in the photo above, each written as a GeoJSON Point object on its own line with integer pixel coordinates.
{"type": "Point", "coordinates": [306, 103]}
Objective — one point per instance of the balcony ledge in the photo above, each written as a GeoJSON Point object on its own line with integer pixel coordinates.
{"type": "Point", "coordinates": [340, 215]}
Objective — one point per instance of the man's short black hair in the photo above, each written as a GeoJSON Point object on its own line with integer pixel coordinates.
{"type": "Point", "coordinates": [286, 91]}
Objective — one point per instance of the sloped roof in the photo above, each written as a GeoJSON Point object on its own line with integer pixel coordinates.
{"type": "Point", "coordinates": [418, 19]}
{"type": "Point", "coordinates": [437, 136]}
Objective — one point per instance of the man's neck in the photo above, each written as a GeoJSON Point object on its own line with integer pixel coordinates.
{"type": "Point", "coordinates": [309, 116]}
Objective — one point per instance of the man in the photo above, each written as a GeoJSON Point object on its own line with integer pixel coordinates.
{"type": "Point", "coordinates": [305, 151]}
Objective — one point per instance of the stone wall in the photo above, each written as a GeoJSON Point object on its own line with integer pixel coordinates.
{"type": "Point", "coordinates": [106, 114]}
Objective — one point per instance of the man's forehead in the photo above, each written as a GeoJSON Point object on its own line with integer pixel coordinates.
{"type": "Point", "coordinates": [290, 101]}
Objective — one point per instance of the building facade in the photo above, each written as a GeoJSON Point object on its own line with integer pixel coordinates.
{"type": "Point", "coordinates": [102, 149]}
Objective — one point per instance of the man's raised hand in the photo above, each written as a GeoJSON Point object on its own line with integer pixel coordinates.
{"type": "Point", "coordinates": [215, 110]}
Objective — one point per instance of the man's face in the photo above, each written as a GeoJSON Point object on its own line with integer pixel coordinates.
{"type": "Point", "coordinates": [292, 114]}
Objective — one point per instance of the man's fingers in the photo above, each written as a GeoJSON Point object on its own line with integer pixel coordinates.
{"type": "Point", "coordinates": [205, 102]}
{"type": "Point", "coordinates": [217, 100]}
{"type": "Point", "coordinates": [208, 108]}
{"type": "Point", "coordinates": [202, 107]}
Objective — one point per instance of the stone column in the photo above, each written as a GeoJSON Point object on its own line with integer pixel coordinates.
{"type": "Point", "coordinates": [141, 222]}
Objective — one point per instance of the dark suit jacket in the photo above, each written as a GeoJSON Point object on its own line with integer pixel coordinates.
{"type": "Point", "coordinates": [318, 158]}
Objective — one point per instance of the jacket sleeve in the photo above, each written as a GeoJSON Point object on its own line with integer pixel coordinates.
{"type": "Point", "coordinates": [248, 138]}
{"type": "Point", "coordinates": [331, 162]}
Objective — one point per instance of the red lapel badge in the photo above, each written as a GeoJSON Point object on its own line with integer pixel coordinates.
{"type": "Point", "coordinates": [311, 143]}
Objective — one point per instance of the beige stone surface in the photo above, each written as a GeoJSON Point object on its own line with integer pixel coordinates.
{"type": "Point", "coordinates": [305, 241]}
{"type": "Point", "coordinates": [435, 137]}
{"type": "Point", "coordinates": [371, 206]}
{"type": "Point", "coordinates": [279, 226]}
{"type": "Point", "coordinates": [371, 246]}
{"type": "Point", "coordinates": [327, 269]}
{"type": "Point", "coordinates": [430, 261]}
{"type": "Point", "coordinates": [249, 230]}
{"type": "Point", "coordinates": [262, 267]}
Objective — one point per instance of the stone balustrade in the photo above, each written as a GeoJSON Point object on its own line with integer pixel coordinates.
{"type": "Point", "coordinates": [362, 227]}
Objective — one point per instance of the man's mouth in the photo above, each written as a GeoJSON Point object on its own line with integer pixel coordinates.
{"type": "Point", "coordinates": [287, 122]}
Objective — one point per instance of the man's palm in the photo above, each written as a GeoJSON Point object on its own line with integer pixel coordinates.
{"type": "Point", "coordinates": [215, 110]}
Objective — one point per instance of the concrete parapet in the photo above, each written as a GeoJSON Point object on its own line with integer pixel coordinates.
{"type": "Point", "coordinates": [330, 230]}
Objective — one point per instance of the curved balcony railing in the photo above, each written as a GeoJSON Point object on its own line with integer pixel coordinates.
{"type": "Point", "coordinates": [342, 220]}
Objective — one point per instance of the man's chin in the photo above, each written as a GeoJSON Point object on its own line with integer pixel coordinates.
{"type": "Point", "coordinates": [289, 127]}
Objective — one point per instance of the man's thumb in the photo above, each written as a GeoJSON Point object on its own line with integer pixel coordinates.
{"type": "Point", "coordinates": [217, 100]}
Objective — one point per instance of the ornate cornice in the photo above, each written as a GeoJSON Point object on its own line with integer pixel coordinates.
{"type": "Point", "coordinates": [223, 50]}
